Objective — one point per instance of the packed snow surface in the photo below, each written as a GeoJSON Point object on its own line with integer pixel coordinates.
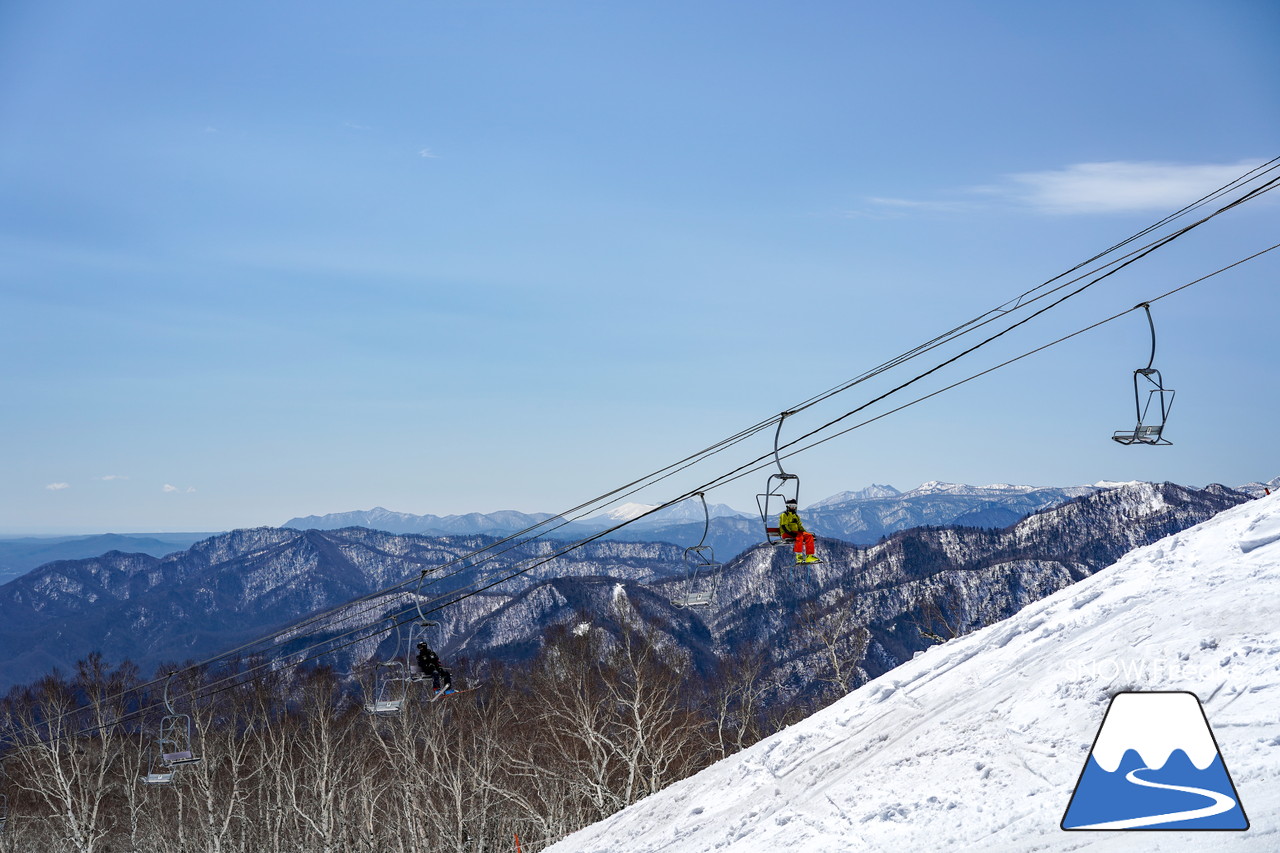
{"type": "Point", "coordinates": [978, 743]}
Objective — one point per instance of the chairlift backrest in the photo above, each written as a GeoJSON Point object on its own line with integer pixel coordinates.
{"type": "Point", "coordinates": [389, 687]}
{"type": "Point", "coordinates": [773, 500]}
{"type": "Point", "coordinates": [175, 740]}
{"type": "Point", "coordinates": [175, 743]}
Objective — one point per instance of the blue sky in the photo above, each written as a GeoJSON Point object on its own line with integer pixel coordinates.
{"type": "Point", "coordinates": [274, 259]}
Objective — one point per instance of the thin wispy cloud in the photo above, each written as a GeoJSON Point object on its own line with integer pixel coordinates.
{"type": "Point", "coordinates": [57, 487]}
{"type": "Point", "coordinates": [1120, 186]}
{"type": "Point", "coordinates": [170, 489]}
{"type": "Point", "coordinates": [113, 477]}
{"type": "Point", "coordinates": [426, 152]}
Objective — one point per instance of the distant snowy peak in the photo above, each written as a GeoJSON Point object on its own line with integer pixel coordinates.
{"type": "Point", "coordinates": [378, 518]}
{"type": "Point", "coordinates": [938, 488]}
{"type": "Point", "coordinates": [626, 512]}
{"type": "Point", "coordinates": [687, 510]}
{"type": "Point", "coordinates": [873, 492]}
{"type": "Point", "coordinates": [1259, 489]}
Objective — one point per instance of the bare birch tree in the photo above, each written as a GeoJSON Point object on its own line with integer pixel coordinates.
{"type": "Point", "coordinates": [68, 748]}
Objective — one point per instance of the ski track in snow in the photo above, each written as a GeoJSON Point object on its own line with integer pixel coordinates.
{"type": "Point", "coordinates": [979, 743]}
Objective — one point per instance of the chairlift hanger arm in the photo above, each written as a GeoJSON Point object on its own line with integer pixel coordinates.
{"type": "Point", "coordinates": [1146, 306]}
{"type": "Point", "coordinates": [706, 522]}
{"type": "Point", "coordinates": [777, 436]}
{"type": "Point", "coordinates": [168, 706]}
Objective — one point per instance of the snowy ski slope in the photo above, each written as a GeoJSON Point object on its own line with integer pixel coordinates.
{"type": "Point", "coordinates": [978, 744]}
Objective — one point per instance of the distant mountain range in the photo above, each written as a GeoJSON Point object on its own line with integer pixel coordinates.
{"type": "Point", "coordinates": [243, 584]}
{"type": "Point", "coordinates": [20, 555]}
{"type": "Point", "coordinates": [868, 516]}
{"type": "Point", "coordinates": [861, 517]}
{"type": "Point", "coordinates": [905, 592]}
{"type": "Point", "coordinates": [495, 523]}
{"type": "Point", "coordinates": [247, 583]}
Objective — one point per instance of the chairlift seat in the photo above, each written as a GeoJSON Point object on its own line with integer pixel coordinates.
{"type": "Point", "coordinates": [158, 777]}
{"type": "Point", "coordinates": [383, 707]}
{"type": "Point", "coordinates": [775, 537]}
{"type": "Point", "coordinates": [184, 756]}
{"type": "Point", "coordinates": [693, 599]}
{"type": "Point", "coordinates": [1141, 434]}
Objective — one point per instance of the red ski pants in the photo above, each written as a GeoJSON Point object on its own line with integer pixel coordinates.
{"type": "Point", "coordinates": [803, 542]}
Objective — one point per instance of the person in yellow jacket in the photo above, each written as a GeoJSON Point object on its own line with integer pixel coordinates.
{"type": "Point", "coordinates": [792, 528]}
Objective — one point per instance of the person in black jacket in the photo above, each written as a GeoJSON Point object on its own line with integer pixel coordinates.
{"type": "Point", "coordinates": [429, 664]}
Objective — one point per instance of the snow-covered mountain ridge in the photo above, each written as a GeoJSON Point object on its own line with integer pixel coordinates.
{"type": "Point", "coordinates": [978, 743]}
{"type": "Point", "coordinates": [863, 517]}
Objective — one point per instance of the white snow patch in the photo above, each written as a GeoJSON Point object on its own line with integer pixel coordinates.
{"type": "Point", "coordinates": [1264, 530]}
{"type": "Point", "coordinates": [626, 512]}
{"type": "Point", "coordinates": [978, 744]}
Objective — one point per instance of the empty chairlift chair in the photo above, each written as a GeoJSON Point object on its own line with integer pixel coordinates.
{"type": "Point", "coordinates": [390, 679]}
{"type": "Point", "coordinates": [174, 746]}
{"type": "Point", "coordinates": [1153, 412]}
{"type": "Point", "coordinates": [702, 571]}
{"type": "Point", "coordinates": [703, 576]}
{"type": "Point", "coordinates": [389, 684]}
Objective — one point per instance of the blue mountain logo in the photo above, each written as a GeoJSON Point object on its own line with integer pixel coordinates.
{"type": "Point", "coordinates": [1155, 765]}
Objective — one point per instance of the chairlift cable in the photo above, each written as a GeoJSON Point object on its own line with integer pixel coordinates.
{"type": "Point", "coordinates": [654, 477]}
{"type": "Point", "coordinates": [761, 465]}
{"type": "Point", "coordinates": [742, 435]}
{"type": "Point", "coordinates": [1118, 265]}
{"type": "Point", "coordinates": [209, 690]}
{"type": "Point", "coordinates": [995, 313]}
